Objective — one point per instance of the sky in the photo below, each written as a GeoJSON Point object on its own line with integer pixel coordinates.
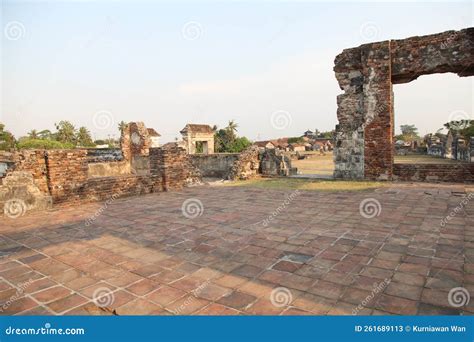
{"type": "Point", "coordinates": [266, 65]}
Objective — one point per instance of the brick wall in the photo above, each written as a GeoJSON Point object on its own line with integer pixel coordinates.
{"type": "Point", "coordinates": [67, 174]}
{"type": "Point", "coordinates": [174, 167]}
{"type": "Point", "coordinates": [459, 172]}
{"type": "Point", "coordinates": [32, 161]}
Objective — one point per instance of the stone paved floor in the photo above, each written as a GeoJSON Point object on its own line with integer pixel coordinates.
{"type": "Point", "coordinates": [250, 251]}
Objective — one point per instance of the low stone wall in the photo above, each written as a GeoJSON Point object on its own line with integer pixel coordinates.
{"type": "Point", "coordinates": [214, 165]}
{"type": "Point", "coordinates": [107, 169]}
{"type": "Point", "coordinates": [462, 172]}
{"type": "Point", "coordinates": [66, 177]}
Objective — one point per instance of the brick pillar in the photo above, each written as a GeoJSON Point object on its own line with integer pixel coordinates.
{"type": "Point", "coordinates": [157, 169]}
{"type": "Point", "coordinates": [378, 132]}
{"type": "Point", "coordinates": [67, 174]}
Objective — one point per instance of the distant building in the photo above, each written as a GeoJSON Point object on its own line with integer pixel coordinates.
{"type": "Point", "coordinates": [154, 137]}
{"type": "Point", "coordinates": [297, 147]}
{"type": "Point", "coordinates": [266, 144]}
{"type": "Point", "coordinates": [308, 134]}
{"type": "Point", "coordinates": [198, 138]}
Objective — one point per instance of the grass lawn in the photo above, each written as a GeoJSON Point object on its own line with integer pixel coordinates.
{"type": "Point", "coordinates": [309, 184]}
{"type": "Point", "coordinates": [316, 165]}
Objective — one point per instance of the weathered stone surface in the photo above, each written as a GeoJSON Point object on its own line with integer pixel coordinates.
{"type": "Point", "coordinates": [246, 166]}
{"type": "Point", "coordinates": [364, 135]}
{"type": "Point", "coordinates": [19, 194]}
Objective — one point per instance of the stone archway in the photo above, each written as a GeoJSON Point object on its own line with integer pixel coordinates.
{"type": "Point", "coordinates": [364, 135]}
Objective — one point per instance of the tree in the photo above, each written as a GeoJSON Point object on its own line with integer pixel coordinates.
{"type": "Point", "coordinates": [121, 126]}
{"type": "Point", "coordinates": [232, 129]}
{"type": "Point", "coordinates": [83, 137]}
{"type": "Point", "coordinates": [409, 133]}
{"type": "Point", "coordinates": [226, 140]}
{"type": "Point", "coordinates": [45, 134]}
{"type": "Point", "coordinates": [7, 140]}
{"type": "Point", "coordinates": [66, 132]}
{"type": "Point", "coordinates": [33, 134]}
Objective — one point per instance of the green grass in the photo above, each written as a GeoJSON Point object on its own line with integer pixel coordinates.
{"type": "Point", "coordinates": [309, 184]}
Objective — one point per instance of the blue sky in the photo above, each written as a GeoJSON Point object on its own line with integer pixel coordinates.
{"type": "Point", "coordinates": [96, 63]}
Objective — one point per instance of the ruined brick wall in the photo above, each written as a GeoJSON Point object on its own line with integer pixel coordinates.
{"type": "Point", "coordinates": [32, 161]}
{"type": "Point", "coordinates": [67, 174]}
{"type": "Point", "coordinates": [174, 167]}
{"type": "Point", "coordinates": [99, 189]}
{"type": "Point", "coordinates": [462, 172]}
{"type": "Point", "coordinates": [364, 135]}
{"type": "Point", "coordinates": [247, 166]}
{"type": "Point", "coordinates": [275, 163]}
{"type": "Point", "coordinates": [135, 141]}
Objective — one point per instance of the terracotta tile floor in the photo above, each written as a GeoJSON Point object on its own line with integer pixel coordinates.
{"type": "Point", "coordinates": [249, 251]}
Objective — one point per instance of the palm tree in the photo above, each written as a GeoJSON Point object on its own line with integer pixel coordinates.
{"type": "Point", "coordinates": [45, 134]}
{"type": "Point", "coordinates": [33, 134]}
{"type": "Point", "coordinates": [232, 130]}
{"type": "Point", "coordinates": [121, 126]}
{"type": "Point", "coordinates": [66, 131]}
{"type": "Point", "coordinates": [84, 137]}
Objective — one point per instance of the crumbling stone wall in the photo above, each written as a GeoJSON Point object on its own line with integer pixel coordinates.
{"type": "Point", "coordinates": [276, 163]}
{"type": "Point", "coordinates": [32, 161]}
{"type": "Point", "coordinates": [247, 165]}
{"type": "Point", "coordinates": [135, 140]}
{"type": "Point", "coordinates": [364, 135]}
{"type": "Point", "coordinates": [19, 193]}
